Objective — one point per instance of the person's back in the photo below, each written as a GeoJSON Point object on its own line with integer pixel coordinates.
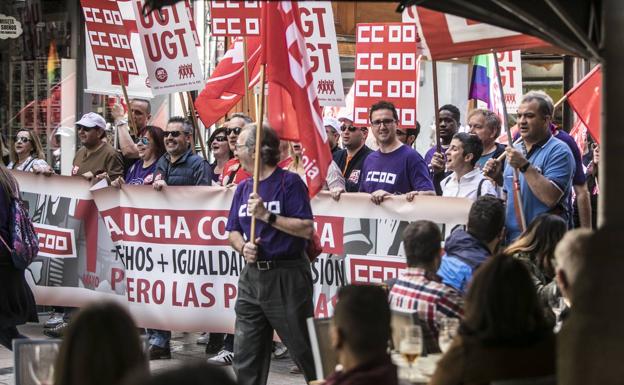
{"type": "Point", "coordinates": [360, 334]}
{"type": "Point", "coordinates": [467, 249]}
{"type": "Point", "coordinates": [414, 290]}
{"type": "Point", "coordinates": [188, 374]}
{"type": "Point", "coordinates": [101, 347]}
{"type": "Point", "coordinates": [504, 334]}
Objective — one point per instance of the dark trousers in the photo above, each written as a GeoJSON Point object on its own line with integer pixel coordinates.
{"type": "Point", "coordinates": [228, 343]}
{"type": "Point", "coordinates": [279, 299]}
{"type": "Point", "coordinates": [7, 335]}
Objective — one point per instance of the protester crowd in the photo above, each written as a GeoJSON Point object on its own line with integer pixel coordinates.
{"type": "Point", "coordinates": [507, 275]}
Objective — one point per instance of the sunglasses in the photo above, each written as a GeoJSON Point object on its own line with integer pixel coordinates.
{"type": "Point", "coordinates": [22, 139]}
{"type": "Point", "coordinates": [143, 140]}
{"type": "Point", "coordinates": [220, 139]}
{"type": "Point", "coordinates": [385, 122]}
{"type": "Point", "coordinates": [84, 128]}
{"type": "Point", "coordinates": [350, 128]}
{"type": "Point", "coordinates": [235, 130]}
{"type": "Point", "coordinates": [174, 134]}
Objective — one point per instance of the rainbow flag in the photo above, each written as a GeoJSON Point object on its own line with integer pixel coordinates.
{"type": "Point", "coordinates": [52, 61]}
{"type": "Point", "coordinates": [484, 84]}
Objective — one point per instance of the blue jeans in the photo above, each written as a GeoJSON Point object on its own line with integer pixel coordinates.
{"type": "Point", "coordinates": [159, 338]}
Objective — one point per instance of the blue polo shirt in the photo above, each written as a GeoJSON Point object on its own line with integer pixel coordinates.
{"type": "Point", "coordinates": [554, 160]}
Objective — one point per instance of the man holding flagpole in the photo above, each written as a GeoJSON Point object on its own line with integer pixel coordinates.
{"type": "Point", "coordinates": [275, 286]}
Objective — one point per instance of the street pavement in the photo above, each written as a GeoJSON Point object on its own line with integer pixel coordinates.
{"type": "Point", "coordinates": [184, 350]}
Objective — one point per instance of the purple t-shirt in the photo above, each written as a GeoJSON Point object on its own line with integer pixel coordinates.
{"type": "Point", "coordinates": [579, 173]}
{"type": "Point", "coordinates": [285, 194]}
{"type": "Point", "coordinates": [398, 172]}
{"type": "Point", "coordinates": [139, 175]}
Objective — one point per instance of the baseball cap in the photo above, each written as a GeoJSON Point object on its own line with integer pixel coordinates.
{"type": "Point", "coordinates": [346, 116]}
{"type": "Point", "coordinates": [91, 119]}
{"type": "Point", "coordinates": [332, 122]}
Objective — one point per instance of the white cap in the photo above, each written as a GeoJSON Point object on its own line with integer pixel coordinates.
{"type": "Point", "coordinates": [91, 119]}
{"type": "Point", "coordinates": [346, 116]}
{"type": "Point", "coordinates": [332, 122]}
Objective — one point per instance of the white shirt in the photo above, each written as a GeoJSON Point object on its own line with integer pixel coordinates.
{"type": "Point", "coordinates": [28, 164]}
{"type": "Point", "coordinates": [467, 185]}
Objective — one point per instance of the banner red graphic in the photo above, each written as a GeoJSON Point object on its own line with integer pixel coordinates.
{"type": "Point", "coordinates": [235, 18]}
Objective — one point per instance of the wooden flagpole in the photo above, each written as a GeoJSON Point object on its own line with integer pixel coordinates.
{"type": "Point", "coordinates": [125, 94]}
{"type": "Point", "coordinates": [435, 105]}
{"type": "Point", "coordinates": [246, 74]}
{"type": "Point", "coordinates": [191, 106]}
{"type": "Point", "coordinates": [517, 196]}
{"type": "Point", "coordinates": [256, 173]}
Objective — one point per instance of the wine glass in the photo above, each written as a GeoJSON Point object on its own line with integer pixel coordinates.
{"type": "Point", "coordinates": [557, 305]}
{"type": "Point", "coordinates": [447, 331]}
{"type": "Point", "coordinates": [41, 365]}
{"type": "Point", "coordinates": [411, 344]}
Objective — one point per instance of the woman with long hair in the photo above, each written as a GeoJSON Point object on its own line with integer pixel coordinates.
{"type": "Point", "coordinates": [536, 249]}
{"type": "Point", "coordinates": [151, 147]}
{"type": "Point", "coordinates": [218, 143]}
{"type": "Point", "coordinates": [27, 153]}
{"type": "Point", "coordinates": [17, 303]}
{"type": "Point", "coordinates": [504, 334]}
{"type": "Point", "coordinates": [101, 347]}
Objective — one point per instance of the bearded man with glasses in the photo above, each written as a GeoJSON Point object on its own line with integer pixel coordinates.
{"type": "Point", "coordinates": [395, 168]}
{"type": "Point", "coordinates": [351, 158]}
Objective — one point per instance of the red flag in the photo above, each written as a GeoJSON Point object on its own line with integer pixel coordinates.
{"type": "Point", "coordinates": [579, 134]}
{"type": "Point", "coordinates": [293, 106]}
{"type": "Point", "coordinates": [585, 99]}
{"type": "Point", "coordinates": [226, 86]}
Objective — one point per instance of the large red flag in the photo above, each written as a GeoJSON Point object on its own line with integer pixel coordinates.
{"type": "Point", "coordinates": [226, 86]}
{"type": "Point", "coordinates": [586, 101]}
{"type": "Point", "coordinates": [293, 106]}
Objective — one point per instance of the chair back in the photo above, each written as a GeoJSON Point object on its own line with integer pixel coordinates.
{"type": "Point", "coordinates": [546, 380]}
{"type": "Point", "coordinates": [35, 360]}
{"type": "Point", "coordinates": [325, 357]}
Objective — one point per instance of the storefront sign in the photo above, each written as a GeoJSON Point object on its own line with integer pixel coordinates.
{"type": "Point", "coordinates": [173, 266]}
{"type": "Point", "coordinates": [387, 65]}
{"type": "Point", "coordinates": [317, 22]}
{"type": "Point", "coordinates": [235, 18]}
{"type": "Point", "coordinates": [169, 49]}
{"type": "Point", "coordinates": [10, 28]}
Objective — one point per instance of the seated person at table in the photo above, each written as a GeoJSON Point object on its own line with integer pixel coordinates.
{"type": "Point", "coordinates": [359, 334]}
{"type": "Point", "coordinates": [504, 334]}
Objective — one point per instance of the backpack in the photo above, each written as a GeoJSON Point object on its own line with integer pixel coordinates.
{"type": "Point", "coordinates": [24, 239]}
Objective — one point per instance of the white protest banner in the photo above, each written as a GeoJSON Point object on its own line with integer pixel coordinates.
{"type": "Point", "coordinates": [387, 65]}
{"type": "Point", "coordinates": [235, 18]}
{"type": "Point", "coordinates": [511, 77]}
{"type": "Point", "coordinates": [169, 259]}
{"type": "Point", "coordinates": [112, 46]}
{"type": "Point", "coordinates": [169, 49]}
{"type": "Point", "coordinates": [317, 22]}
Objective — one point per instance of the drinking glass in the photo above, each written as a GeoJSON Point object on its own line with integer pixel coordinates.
{"type": "Point", "coordinates": [410, 345]}
{"type": "Point", "coordinates": [448, 331]}
{"type": "Point", "coordinates": [41, 365]}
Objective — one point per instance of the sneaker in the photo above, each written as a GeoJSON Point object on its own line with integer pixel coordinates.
{"type": "Point", "coordinates": [157, 353]}
{"type": "Point", "coordinates": [281, 351]}
{"type": "Point", "coordinates": [203, 339]}
{"type": "Point", "coordinates": [224, 358]}
{"type": "Point", "coordinates": [54, 320]}
{"type": "Point", "coordinates": [57, 331]}
{"type": "Point", "coordinates": [295, 370]}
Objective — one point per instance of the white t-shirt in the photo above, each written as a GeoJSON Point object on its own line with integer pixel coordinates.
{"type": "Point", "coordinates": [468, 185]}
{"type": "Point", "coordinates": [28, 164]}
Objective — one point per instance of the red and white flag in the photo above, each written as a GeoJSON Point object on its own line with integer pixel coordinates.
{"type": "Point", "coordinates": [585, 99]}
{"type": "Point", "coordinates": [293, 106]}
{"type": "Point", "coordinates": [226, 86]}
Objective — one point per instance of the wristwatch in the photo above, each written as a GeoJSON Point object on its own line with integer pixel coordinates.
{"type": "Point", "coordinates": [525, 167]}
{"type": "Point", "coordinates": [272, 218]}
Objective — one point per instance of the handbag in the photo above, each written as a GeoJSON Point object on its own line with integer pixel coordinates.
{"type": "Point", "coordinates": [24, 242]}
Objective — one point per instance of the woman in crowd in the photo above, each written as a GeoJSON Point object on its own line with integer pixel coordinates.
{"type": "Point", "coordinates": [101, 347]}
{"type": "Point", "coordinates": [151, 147]}
{"type": "Point", "coordinates": [504, 334]}
{"type": "Point", "coordinates": [536, 249]}
{"type": "Point", "coordinates": [27, 153]}
{"type": "Point", "coordinates": [17, 303]}
{"type": "Point", "coordinates": [218, 143]}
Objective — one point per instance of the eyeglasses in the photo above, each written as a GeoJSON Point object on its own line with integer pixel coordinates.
{"type": "Point", "coordinates": [239, 146]}
{"type": "Point", "coordinates": [143, 140]}
{"type": "Point", "coordinates": [220, 139]}
{"type": "Point", "coordinates": [235, 130]}
{"type": "Point", "coordinates": [84, 128]}
{"type": "Point", "coordinates": [385, 122]}
{"type": "Point", "coordinates": [174, 134]}
{"type": "Point", "coordinates": [22, 139]}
